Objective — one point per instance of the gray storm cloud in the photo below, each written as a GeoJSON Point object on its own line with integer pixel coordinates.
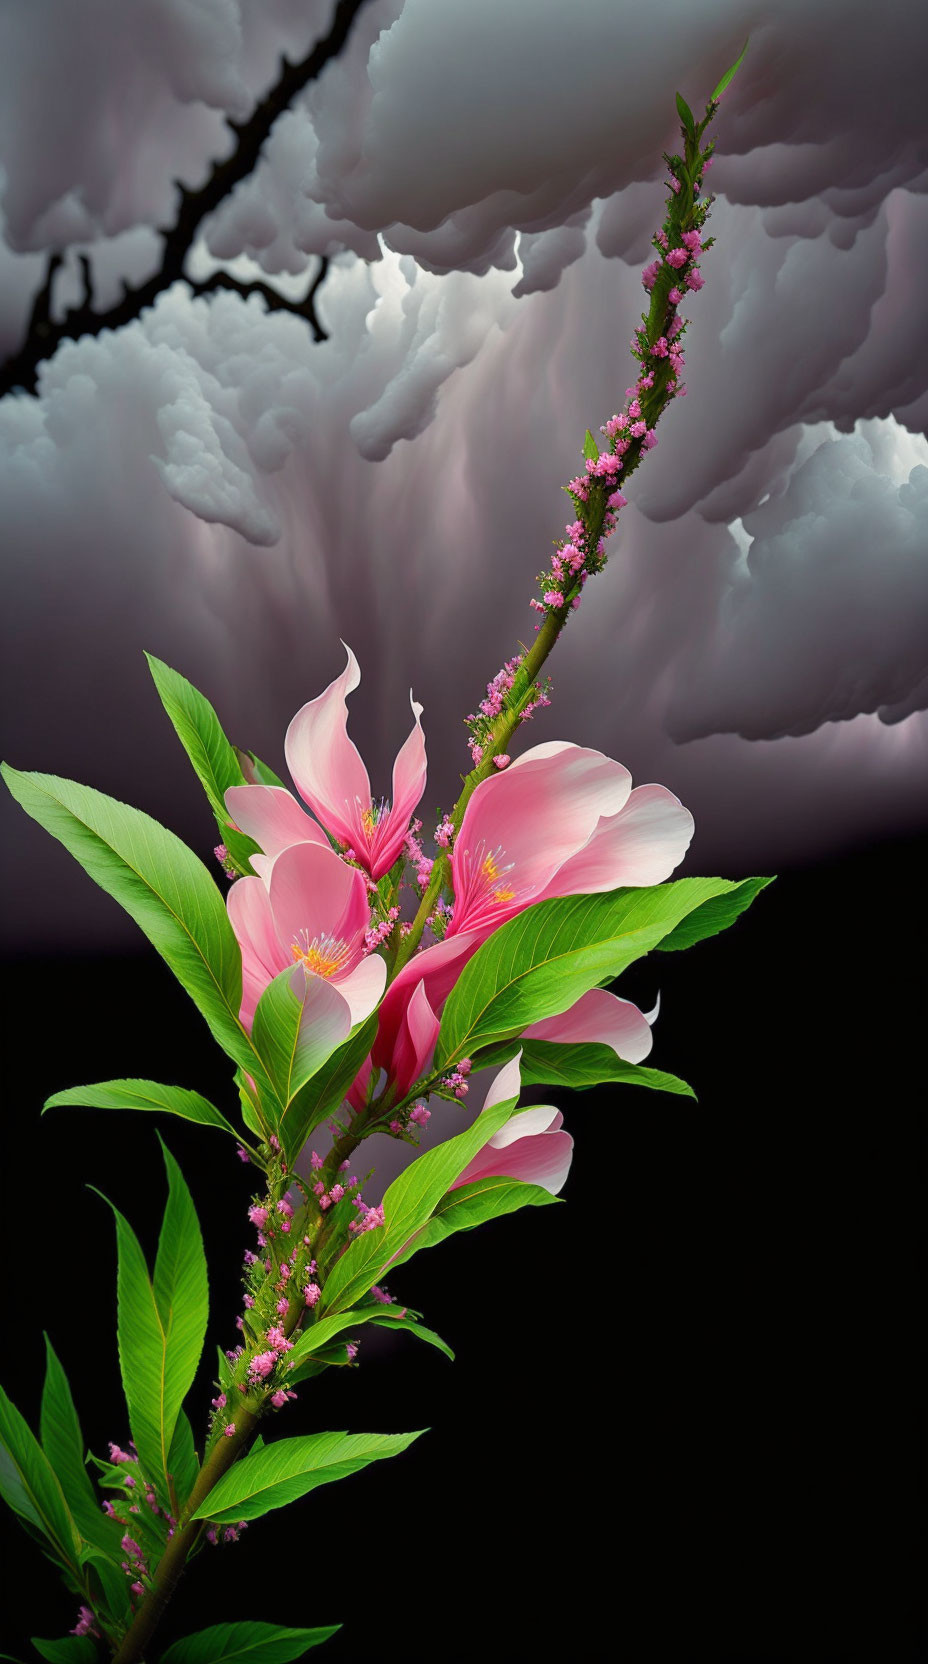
{"type": "Point", "coordinates": [209, 483]}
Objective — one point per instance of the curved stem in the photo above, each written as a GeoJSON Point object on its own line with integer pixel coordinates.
{"type": "Point", "coordinates": [186, 1536]}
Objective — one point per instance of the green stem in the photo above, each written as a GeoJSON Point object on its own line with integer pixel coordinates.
{"type": "Point", "coordinates": [186, 1536]}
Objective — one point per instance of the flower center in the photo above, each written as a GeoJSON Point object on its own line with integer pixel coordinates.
{"type": "Point", "coordinates": [371, 818]}
{"type": "Point", "coordinates": [490, 871]}
{"type": "Point", "coordinates": [324, 955]}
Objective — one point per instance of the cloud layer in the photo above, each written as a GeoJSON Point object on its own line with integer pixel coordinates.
{"type": "Point", "coordinates": [209, 483]}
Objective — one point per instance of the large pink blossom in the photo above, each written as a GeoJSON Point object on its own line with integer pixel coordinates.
{"type": "Point", "coordinates": [561, 820]}
{"type": "Point", "coordinates": [531, 1146]}
{"type": "Point", "coordinates": [308, 909]}
{"type": "Point", "coordinates": [330, 776]}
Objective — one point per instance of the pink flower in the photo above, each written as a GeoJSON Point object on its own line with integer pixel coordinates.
{"type": "Point", "coordinates": [530, 1147]}
{"type": "Point", "coordinates": [332, 779]}
{"type": "Point", "coordinates": [310, 911]}
{"type": "Point", "coordinates": [560, 820]}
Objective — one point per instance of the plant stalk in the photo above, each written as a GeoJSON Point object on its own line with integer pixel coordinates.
{"type": "Point", "coordinates": [186, 1536]}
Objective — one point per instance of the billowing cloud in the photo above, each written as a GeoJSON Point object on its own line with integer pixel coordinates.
{"type": "Point", "coordinates": [209, 483]}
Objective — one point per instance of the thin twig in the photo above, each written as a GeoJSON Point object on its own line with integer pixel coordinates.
{"type": "Point", "coordinates": [45, 334]}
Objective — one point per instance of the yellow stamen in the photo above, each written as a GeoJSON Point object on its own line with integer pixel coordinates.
{"type": "Point", "coordinates": [323, 955]}
{"type": "Point", "coordinates": [503, 895]}
{"type": "Point", "coordinates": [489, 868]}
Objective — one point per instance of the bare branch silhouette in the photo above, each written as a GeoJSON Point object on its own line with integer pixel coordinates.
{"type": "Point", "coordinates": [276, 302]}
{"type": "Point", "coordinates": [45, 333]}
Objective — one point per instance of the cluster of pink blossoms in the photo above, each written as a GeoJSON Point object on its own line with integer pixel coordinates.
{"type": "Point", "coordinates": [480, 722]}
{"type": "Point", "coordinates": [595, 493]}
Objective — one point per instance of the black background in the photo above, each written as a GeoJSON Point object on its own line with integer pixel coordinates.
{"type": "Point", "coordinates": [686, 1417]}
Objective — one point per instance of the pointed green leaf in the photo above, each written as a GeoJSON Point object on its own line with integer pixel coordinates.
{"type": "Point", "coordinates": [180, 1288]}
{"type": "Point", "coordinates": [109, 1585]}
{"type": "Point", "coordinates": [471, 1205]}
{"type": "Point", "coordinates": [407, 1204]}
{"type": "Point", "coordinates": [590, 447]}
{"type": "Point", "coordinates": [29, 1486]}
{"type": "Point", "coordinates": [386, 1320]}
{"type": "Point", "coordinates": [713, 915]}
{"type": "Point", "coordinates": [161, 885]}
{"type": "Point", "coordinates": [549, 1063]}
{"type": "Point", "coordinates": [60, 1434]}
{"type": "Point", "coordinates": [296, 1030]}
{"type": "Point", "coordinates": [160, 1326]}
{"type": "Point", "coordinates": [287, 1469]}
{"type": "Point", "coordinates": [182, 1461]}
{"type": "Point", "coordinates": [324, 1091]}
{"type": "Point", "coordinates": [250, 1643]}
{"type": "Point", "coordinates": [215, 761]}
{"type": "Point", "coordinates": [540, 963]}
{"type": "Point", "coordinates": [71, 1649]}
{"type": "Point", "coordinates": [252, 766]}
{"type": "Point", "coordinates": [730, 74]}
{"type": "Point", "coordinates": [143, 1094]}
{"type": "Point", "coordinates": [320, 1334]}
{"type": "Point", "coordinates": [686, 116]}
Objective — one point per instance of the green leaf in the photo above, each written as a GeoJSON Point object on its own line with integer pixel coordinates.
{"type": "Point", "coordinates": [263, 775]}
{"type": "Point", "coordinates": [713, 916]}
{"type": "Point", "coordinates": [287, 1469]}
{"type": "Point", "coordinates": [408, 1203]}
{"type": "Point", "coordinates": [215, 761]}
{"type": "Point", "coordinates": [539, 963]}
{"type": "Point", "coordinates": [384, 1320]}
{"type": "Point", "coordinates": [590, 447]}
{"type": "Point", "coordinates": [29, 1486]}
{"type": "Point", "coordinates": [160, 1325]}
{"type": "Point", "coordinates": [162, 886]}
{"type": "Point", "coordinates": [143, 1094]}
{"type": "Point", "coordinates": [289, 1036]}
{"type": "Point", "coordinates": [549, 1063]}
{"type": "Point", "coordinates": [730, 74]}
{"type": "Point", "coordinates": [109, 1585]}
{"type": "Point", "coordinates": [325, 1090]}
{"type": "Point", "coordinates": [686, 116]}
{"type": "Point", "coordinates": [320, 1334]}
{"type": "Point", "coordinates": [62, 1442]}
{"type": "Point", "coordinates": [182, 1460]}
{"type": "Point", "coordinates": [471, 1205]}
{"type": "Point", "coordinates": [180, 1287]}
{"type": "Point", "coordinates": [253, 1643]}
{"type": "Point", "coordinates": [72, 1649]}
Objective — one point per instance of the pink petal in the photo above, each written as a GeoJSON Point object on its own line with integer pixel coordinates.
{"type": "Point", "coordinates": [326, 1019]}
{"type": "Point", "coordinates": [357, 1092]}
{"type": "Point", "coordinates": [506, 1084]}
{"type": "Point", "coordinates": [527, 823]}
{"type": "Point", "coordinates": [314, 894]}
{"type": "Point", "coordinates": [640, 845]}
{"type": "Point", "coordinates": [263, 957]}
{"type": "Point", "coordinates": [415, 1041]}
{"type": "Point", "coordinates": [272, 817]}
{"type": "Point", "coordinates": [409, 773]}
{"type": "Point", "coordinates": [439, 968]}
{"type": "Point", "coordinates": [531, 1147]}
{"type": "Point", "coordinates": [599, 1018]}
{"type": "Point", "coordinates": [363, 986]}
{"type": "Point", "coordinates": [326, 764]}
